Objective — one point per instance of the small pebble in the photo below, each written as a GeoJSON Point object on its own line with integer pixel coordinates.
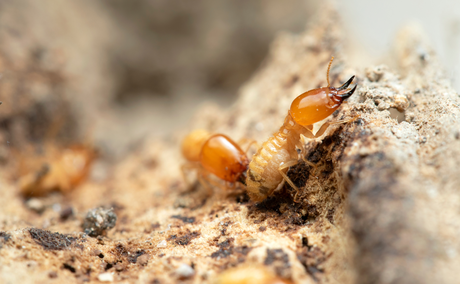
{"type": "Point", "coordinates": [52, 274]}
{"type": "Point", "coordinates": [105, 277]}
{"type": "Point", "coordinates": [66, 213]}
{"type": "Point", "coordinates": [32, 264]}
{"type": "Point", "coordinates": [36, 205]}
{"type": "Point", "coordinates": [120, 267]}
{"type": "Point", "coordinates": [56, 207]}
{"type": "Point", "coordinates": [100, 240]}
{"type": "Point", "coordinates": [143, 259]}
{"type": "Point", "coordinates": [162, 244]}
{"type": "Point", "coordinates": [99, 171]}
{"type": "Point", "coordinates": [98, 221]}
{"type": "Point", "coordinates": [185, 271]}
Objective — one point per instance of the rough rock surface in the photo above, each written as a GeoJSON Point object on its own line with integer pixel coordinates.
{"type": "Point", "coordinates": [382, 208]}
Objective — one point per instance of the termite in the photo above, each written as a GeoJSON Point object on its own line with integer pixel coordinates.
{"type": "Point", "coordinates": [62, 171]}
{"type": "Point", "coordinates": [214, 154]}
{"type": "Point", "coordinates": [269, 165]}
{"type": "Point", "coordinates": [250, 273]}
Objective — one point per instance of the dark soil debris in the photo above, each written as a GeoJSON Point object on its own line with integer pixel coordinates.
{"type": "Point", "coordinates": [184, 219]}
{"type": "Point", "coordinates": [133, 257]}
{"type": "Point", "coordinates": [312, 258]}
{"type": "Point", "coordinates": [328, 169]}
{"type": "Point", "coordinates": [51, 241]}
{"type": "Point", "coordinates": [108, 266]}
{"type": "Point", "coordinates": [152, 228]}
{"type": "Point", "coordinates": [184, 239]}
{"type": "Point", "coordinates": [331, 143]}
{"type": "Point", "coordinates": [281, 212]}
{"type": "Point", "coordinates": [226, 249]}
{"type": "Point", "coordinates": [316, 155]}
{"type": "Point", "coordinates": [330, 215]}
{"type": "Point", "coordinates": [4, 238]}
{"type": "Point", "coordinates": [299, 174]}
{"type": "Point", "coordinates": [305, 243]}
{"type": "Point", "coordinates": [278, 259]}
{"type": "Point", "coordinates": [125, 255]}
{"type": "Point", "coordinates": [243, 198]}
{"type": "Point", "coordinates": [272, 203]}
{"type": "Point", "coordinates": [69, 267]}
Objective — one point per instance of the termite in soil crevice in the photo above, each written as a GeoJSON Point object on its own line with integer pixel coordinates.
{"type": "Point", "coordinates": [280, 152]}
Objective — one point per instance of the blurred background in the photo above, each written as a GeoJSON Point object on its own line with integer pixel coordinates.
{"type": "Point", "coordinates": [114, 72]}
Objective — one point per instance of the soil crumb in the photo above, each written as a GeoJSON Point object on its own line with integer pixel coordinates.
{"type": "Point", "coordinates": [51, 241]}
{"type": "Point", "coordinates": [98, 221]}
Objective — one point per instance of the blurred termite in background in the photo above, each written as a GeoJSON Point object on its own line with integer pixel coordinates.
{"type": "Point", "coordinates": [58, 169]}
{"type": "Point", "coordinates": [252, 273]}
{"type": "Point", "coordinates": [49, 164]}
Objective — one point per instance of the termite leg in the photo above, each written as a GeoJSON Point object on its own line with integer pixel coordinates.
{"type": "Point", "coordinates": [204, 183]}
{"type": "Point", "coordinates": [327, 124]}
{"type": "Point", "coordinates": [321, 131]}
{"type": "Point", "coordinates": [213, 182]}
{"type": "Point", "coordinates": [301, 146]}
{"type": "Point", "coordinates": [250, 142]}
{"type": "Point", "coordinates": [309, 133]}
{"type": "Point", "coordinates": [202, 177]}
{"type": "Point", "coordinates": [236, 188]}
{"type": "Point", "coordinates": [313, 166]}
{"type": "Point", "coordinates": [283, 166]}
{"type": "Point", "coordinates": [187, 168]}
{"type": "Point", "coordinates": [254, 142]}
{"type": "Point", "coordinates": [230, 185]}
{"type": "Point", "coordinates": [337, 178]}
{"type": "Point", "coordinates": [208, 182]}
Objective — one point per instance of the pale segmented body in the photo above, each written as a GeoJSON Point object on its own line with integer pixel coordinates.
{"type": "Point", "coordinates": [266, 170]}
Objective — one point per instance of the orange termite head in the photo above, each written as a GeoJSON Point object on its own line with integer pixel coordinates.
{"type": "Point", "coordinates": [192, 144]}
{"type": "Point", "coordinates": [222, 157]}
{"type": "Point", "coordinates": [317, 104]}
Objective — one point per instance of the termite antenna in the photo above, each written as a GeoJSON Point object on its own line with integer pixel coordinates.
{"type": "Point", "coordinates": [329, 68]}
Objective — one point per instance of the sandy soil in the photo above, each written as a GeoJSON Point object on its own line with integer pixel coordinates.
{"type": "Point", "coordinates": [383, 208]}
